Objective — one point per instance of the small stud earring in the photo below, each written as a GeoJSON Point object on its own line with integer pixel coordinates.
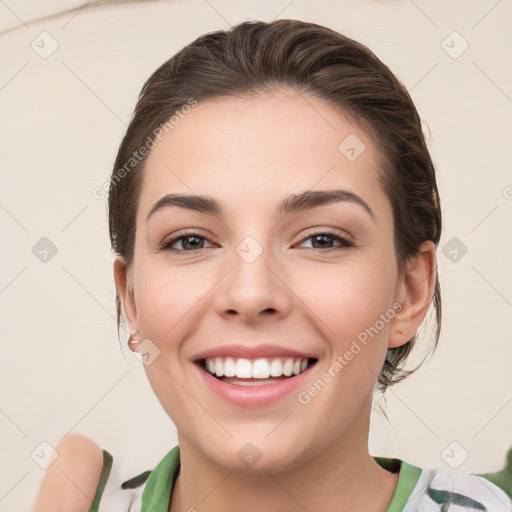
{"type": "Point", "coordinates": [131, 341]}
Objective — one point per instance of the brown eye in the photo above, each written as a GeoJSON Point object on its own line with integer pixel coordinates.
{"type": "Point", "coordinates": [324, 241]}
{"type": "Point", "coordinates": [190, 242]}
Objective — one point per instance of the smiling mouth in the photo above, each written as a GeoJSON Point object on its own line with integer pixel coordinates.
{"type": "Point", "coordinates": [255, 372]}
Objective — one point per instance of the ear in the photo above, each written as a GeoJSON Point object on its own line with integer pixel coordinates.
{"type": "Point", "coordinates": [124, 286]}
{"type": "Point", "coordinates": [414, 292]}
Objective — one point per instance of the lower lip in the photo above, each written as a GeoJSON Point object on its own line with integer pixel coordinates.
{"type": "Point", "coordinates": [254, 396]}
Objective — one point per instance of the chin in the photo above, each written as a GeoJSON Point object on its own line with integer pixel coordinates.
{"type": "Point", "coordinates": [260, 456]}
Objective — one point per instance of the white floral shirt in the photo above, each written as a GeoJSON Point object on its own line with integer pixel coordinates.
{"type": "Point", "coordinates": [418, 490]}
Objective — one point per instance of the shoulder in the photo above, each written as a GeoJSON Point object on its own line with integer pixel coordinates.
{"type": "Point", "coordinates": [437, 490]}
{"type": "Point", "coordinates": [86, 478]}
{"type": "Point", "coordinates": [72, 478]}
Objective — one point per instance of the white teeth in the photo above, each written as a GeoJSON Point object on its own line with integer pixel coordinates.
{"type": "Point", "coordinates": [261, 368]}
{"type": "Point", "coordinates": [229, 367]}
{"type": "Point", "coordinates": [219, 367]}
{"type": "Point", "coordinates": [288, 367]}
{"type": "Point", "coordinates": [243, 369]}
{"type": "Point", "coordinates": [276, 368]}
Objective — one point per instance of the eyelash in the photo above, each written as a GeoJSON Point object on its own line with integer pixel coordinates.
{"type": "Point", "coordinates": [345, 243]}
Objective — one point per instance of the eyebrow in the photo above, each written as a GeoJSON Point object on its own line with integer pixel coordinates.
{"type": "Point", "coordinates": [291, 204]}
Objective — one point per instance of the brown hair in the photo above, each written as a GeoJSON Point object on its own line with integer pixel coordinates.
{"type": "Point", "coordinates": [254, 57]}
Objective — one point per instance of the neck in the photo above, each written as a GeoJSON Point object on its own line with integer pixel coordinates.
{"type": "Point", "coordinates": [343, 474]}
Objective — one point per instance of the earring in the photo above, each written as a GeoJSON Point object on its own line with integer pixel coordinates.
{"type": "Point", "coordinates": [132, 343]}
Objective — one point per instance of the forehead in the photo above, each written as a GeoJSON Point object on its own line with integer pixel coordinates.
{"type": "Point", "coordinates": [253, 151]}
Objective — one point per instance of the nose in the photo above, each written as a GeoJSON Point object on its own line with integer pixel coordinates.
{"type": "Point", "coordinates": [255, 288]}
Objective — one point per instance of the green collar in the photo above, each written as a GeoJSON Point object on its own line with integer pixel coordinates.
{"type": "Point", "coordinates": [157, 493]}
{"type": "Point", "coordinates": [407, 480]}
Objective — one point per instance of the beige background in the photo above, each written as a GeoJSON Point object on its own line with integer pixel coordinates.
{"type": "Point", "coordinates": [62, 118]}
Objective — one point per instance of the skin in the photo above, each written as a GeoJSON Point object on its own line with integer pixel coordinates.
{"type": "Point", "coordinates": [250, 154]}
{"type": "Point", "coordinates": [69, 484]}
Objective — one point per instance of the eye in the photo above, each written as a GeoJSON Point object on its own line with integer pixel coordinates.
{"type": "Point", "coordinates": [190, 241]}
{"type": "Point", "coordinates": [193, 241]}
{"type": "Point", "coordinates": [323, 241]}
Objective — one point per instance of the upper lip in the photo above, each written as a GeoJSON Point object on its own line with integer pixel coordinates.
{"type": "Point", "coordinates": [251, 352]}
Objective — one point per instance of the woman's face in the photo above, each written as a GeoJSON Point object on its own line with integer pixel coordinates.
{"type": "Point", "coordinates": [265, 278]}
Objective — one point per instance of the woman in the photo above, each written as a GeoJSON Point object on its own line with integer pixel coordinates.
{"type": "Point", "coordinates": [274, 214]}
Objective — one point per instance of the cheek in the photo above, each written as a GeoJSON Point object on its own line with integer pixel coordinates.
{"type": "Point", "coordinates": [354, 303]}
{"type": "Point", "coordinates": [347, 298]}
{"type": "Point", "coordinates": [353, 310]}
{"type": "Point", "coordinates": [168, 303]}
{"type": "Point", "coordinates": [168, 299]}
